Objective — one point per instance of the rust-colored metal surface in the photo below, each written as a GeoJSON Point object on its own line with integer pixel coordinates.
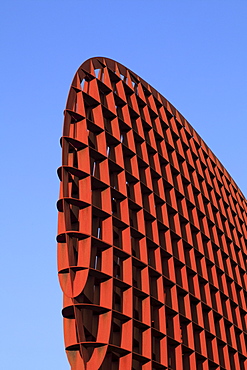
{"type": "Point", "coordinates": [151, 233]}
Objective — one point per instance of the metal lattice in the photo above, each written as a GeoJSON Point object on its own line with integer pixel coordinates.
{"type": "Point", "coordinates": [151, 233]}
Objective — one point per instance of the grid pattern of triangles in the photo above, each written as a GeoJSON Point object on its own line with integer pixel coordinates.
{"type": "Point", "coordinates": [151, 236]}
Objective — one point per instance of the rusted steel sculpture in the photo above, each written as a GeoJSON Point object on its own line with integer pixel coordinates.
{"type": "Point", "coordinates": [151, 234]}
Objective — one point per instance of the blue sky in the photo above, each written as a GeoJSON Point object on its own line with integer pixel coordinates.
{"type": "Point", "coordinates": [192, 51]}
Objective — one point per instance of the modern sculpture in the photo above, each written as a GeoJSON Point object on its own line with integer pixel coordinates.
{"type": "Point", "coordinates": [151, 234]}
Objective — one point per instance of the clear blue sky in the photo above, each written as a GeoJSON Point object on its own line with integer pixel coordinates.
{"type": "Point", "coordinates": [193, 52]}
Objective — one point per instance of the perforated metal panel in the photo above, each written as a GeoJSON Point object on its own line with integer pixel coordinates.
{"type": "Point", "coordinates": [151, 233]}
